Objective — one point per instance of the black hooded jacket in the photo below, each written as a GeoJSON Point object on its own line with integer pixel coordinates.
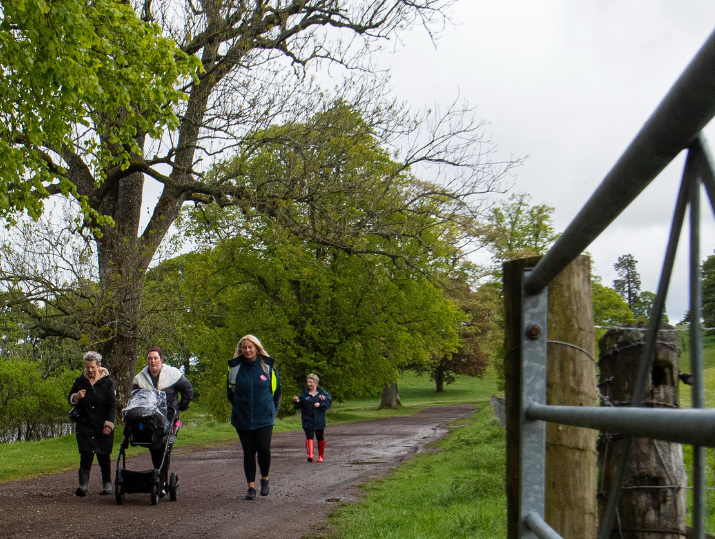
{"type": "Point", "coordinates": [96, 410]}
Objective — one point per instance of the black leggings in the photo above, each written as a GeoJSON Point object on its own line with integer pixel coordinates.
{"type": "Point", "coordinates": [104, 461]}
{"type": "Point", "coordinates": [252, 442]}
{"type": "Point", "coordinates": [319, 434]}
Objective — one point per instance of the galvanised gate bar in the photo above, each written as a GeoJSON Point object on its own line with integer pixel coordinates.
{"type": "Point", "coordinates": [674, 126]}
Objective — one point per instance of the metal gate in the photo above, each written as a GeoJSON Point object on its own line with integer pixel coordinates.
{"type": "Point", "coordinates": [674, 126]}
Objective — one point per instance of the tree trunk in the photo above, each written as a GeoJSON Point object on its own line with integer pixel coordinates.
{"type": "Point", "coordinates": [122, 267]}
{"type": "Point", "coordinates": [389, 396]}
{"type": "Point", "coordinates": [653, 463]}
{"type": "Point", "coordinates": [120, 355]}
{"type": "Point", "coordinates": [570, 504]}
{"type": "Point", "coordinates": [439, 379]}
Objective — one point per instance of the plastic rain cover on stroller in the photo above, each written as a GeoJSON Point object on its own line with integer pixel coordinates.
{"type": "Point", "coordinates": [146, 407]}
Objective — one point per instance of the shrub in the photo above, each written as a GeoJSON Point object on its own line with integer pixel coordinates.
{"type": "Point", "coordinates": [33, 407]}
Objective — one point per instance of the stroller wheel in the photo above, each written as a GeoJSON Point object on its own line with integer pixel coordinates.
{"type": "Point", "coordinates": [154, 494]}
{"type": "Point", "coordinates": [173, 487]}
{"type": "Point", "coordinates": [155, 488]}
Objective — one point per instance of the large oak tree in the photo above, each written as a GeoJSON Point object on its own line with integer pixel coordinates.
{"type": "Point", "coordinates": [260, 65]}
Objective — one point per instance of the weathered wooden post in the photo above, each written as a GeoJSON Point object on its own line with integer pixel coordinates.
{"type": "Point", "coordinates": [570, 505]}
{"type": "Point", "coordinates": [653, 500]}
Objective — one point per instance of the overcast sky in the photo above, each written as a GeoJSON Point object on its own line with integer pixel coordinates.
{"type": "Point", "coordinates": [570, 84]}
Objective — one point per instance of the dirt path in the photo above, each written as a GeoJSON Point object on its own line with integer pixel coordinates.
{"type": "Point", "coordinates": [212, 486]}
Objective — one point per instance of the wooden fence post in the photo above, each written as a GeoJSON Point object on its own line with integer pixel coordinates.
{"type": "Point", "coordinates": [647, 508]}
{"type": "Point", "coordinates": [571, 380]}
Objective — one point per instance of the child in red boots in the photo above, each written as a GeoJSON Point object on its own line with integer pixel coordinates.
{"type": "Point", "coordinates": [312, 403]}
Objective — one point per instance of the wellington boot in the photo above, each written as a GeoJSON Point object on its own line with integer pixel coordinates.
{"type": "Point", "coordinates": [309, 447]}
{"type": "Point", "coordinates": [321, 450]}
{"type": "Point", "coordinates": [106, 483]}
{"type": "Point", "coordinates": [83, 487]}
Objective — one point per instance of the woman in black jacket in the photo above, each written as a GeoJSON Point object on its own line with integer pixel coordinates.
{"type": "Point", "coordinates": [94, 392]}
{"type": "Point", "coordinates": [312, 403]}
{"type": "Point", "coordinates": [159, 376]}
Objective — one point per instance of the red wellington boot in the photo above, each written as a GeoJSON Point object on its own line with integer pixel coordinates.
{"type": "Point", "coordinates": [309, 447]}
{"type": "Point", "coordinates": [321, 450]}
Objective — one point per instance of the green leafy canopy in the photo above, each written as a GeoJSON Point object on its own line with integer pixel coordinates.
{"type": "Point", "coordinates": [65, 64]}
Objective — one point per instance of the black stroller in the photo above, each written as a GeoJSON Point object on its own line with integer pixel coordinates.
{"type": "Point", "coordinates": [146, 424]}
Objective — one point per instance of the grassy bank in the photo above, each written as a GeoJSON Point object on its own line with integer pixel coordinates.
{"type": "Point", "coordinates": [432, 497]}
{"type": "Point", "coordinates": [685, 402]}
{"type": "Point", "coordinates": [455, 492]}
{"type": "Point", "coordinates": [30, 459]}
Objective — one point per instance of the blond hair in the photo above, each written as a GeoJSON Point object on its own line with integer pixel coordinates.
{"type": "Point", "coordinates": [313, 377]}
{"type": "Point", "coordinates": [261, 351]}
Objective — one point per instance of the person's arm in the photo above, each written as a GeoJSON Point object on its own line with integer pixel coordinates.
{"type": "Point", "coordinates": [278, 393]}
{"type": "Point", "coordinates": [186, 391]}
{"type": "Point", "coordinates": [111, 408]}
{"type": "Point", "coordinates": [327, 401]}
{"type": "Point", "coordinates": [112, 403]}
{"type": "Point", "coordinates": [229, 391]}
{"type": "Point", "coordinates": [71, 398]}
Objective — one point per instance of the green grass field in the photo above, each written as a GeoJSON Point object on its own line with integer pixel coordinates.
{"type": "Point", "coordinates": [457, 491]}
{"type": "Point", "coordinates": [685, 402]}
{"type": "Point", "coordinates": [708, 369]}
{"type": "Point", "coordinates": [411, 503]}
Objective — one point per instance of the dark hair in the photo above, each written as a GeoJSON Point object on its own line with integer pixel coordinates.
{"type": "Point", "coordinates": [156, 349]}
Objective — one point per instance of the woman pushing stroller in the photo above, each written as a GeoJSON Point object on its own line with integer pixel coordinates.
{"type": "Point", "coordinates": [157, 375]}
{"type": "Point", "coordinates": [312, 403]}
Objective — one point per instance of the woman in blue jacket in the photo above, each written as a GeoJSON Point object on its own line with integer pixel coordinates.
{"type": "Point", "coordinates": [254, 390]}
{"type": "Point", "coordinates": [312, 403]}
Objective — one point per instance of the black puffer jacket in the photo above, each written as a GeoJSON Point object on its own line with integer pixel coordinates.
{"type": "Point", "coordinates": [96, 409]}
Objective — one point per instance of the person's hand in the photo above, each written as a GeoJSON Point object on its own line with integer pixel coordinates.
{"type": "Point", "coordinates": [296, 399]}
{"type": "Point", "coordinates": [106, 430]}
{"type": "Point", "coordinates": [80, 394]}
{"type": "Point", "coordinates": [317, 405]}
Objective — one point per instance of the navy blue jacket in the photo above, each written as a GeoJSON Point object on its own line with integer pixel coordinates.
{"type": "Point", "coordinates": [312, 417]}
{"type": "Point", "coordinates": [254, 403]}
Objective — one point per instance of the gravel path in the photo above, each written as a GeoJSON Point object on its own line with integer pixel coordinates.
{"type": "Point", "coordinates": [212, 486]}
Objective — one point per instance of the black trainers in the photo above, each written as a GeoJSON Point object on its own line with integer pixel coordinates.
{"type": "Point", "coordinates": [251, 494]}
{"type": "Point", "coordinates": [265, 489]}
